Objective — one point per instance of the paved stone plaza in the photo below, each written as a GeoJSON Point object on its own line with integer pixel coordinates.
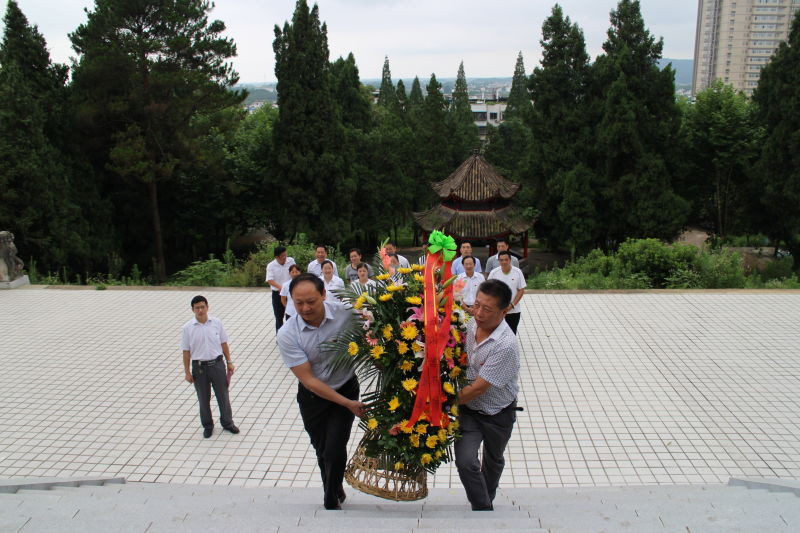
{"type": "Point", "coordinates": [618, 389]}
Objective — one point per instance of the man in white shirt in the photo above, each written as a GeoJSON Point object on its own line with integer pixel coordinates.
{"type": "Point", "coordinates": [277, 275]}
{"type": "Point", "coordinates": [315, 266]}
{"type": "Point", "coordinates": [502, 246]}
{"type": "Point", "coordinates": [327, 396]}
{"type": "Point", "coordinates": [488, 405]}
{"type": "Point", "coordinates": [466, 250]}
{"type": "Point", "coordinates": [513, 277]}
{"type": "Point", "coordinates": [472, 280]}
{"type": "Point", "coordinates": [204, 342]}
{"type": "Point", "coordinates": [391, 248]}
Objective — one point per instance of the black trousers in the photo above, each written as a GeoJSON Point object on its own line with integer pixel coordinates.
{"type": "Point", "coordinates": [480, 478]}
{"type": "Point", "coordinates": [329, 424]}
{"type": "Point", "coordinates": [278, 309]}
{"type": "Point", "coordinates": [513, 320]}
{"type": "Point", "coordinates": [205, 377]}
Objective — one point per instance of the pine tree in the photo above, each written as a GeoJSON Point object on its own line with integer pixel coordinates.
{"type": "Point", "coordinates": [149, 75]}
{"type": "Point", "coordinates": [637, 123]}
{"type": "Point", "coordinates": [386, 95]}
{"type": "Point", "coordinates": [402, 97]}
{"type": "Point", "coordinates": [349, 95]}
{"type": "Point", "coordinates": [433, 143]}
{"type": "Point", "coordinates": [519, 100]}
{"type": "Point", "coordinates": [311, 171]}
{"type": "Point", "coordinates": [415, 102]}
{"type": "Point", "coordinates": [464, 131]}
{"type": "Point", "coordinates": [777, 100]}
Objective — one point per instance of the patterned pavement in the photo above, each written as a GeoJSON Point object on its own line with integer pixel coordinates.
{"type": "Point", "coordinates": [618, 389]}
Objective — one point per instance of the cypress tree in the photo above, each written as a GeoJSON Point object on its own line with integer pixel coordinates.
{"type": "Point", "coordinates": [777, 100]}
{"type": "Point", "coordinates": [349, 95]}
{"type": "Point", "coordinates": [402, 97]}
{"type": "Point", "coordinates": [519, 100]}
{"type": "Point", "coordinates": [386, 95]}
{"type": "Point", "coordinates": [463, 131]}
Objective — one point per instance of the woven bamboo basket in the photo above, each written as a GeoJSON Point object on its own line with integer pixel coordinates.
{"type": "Point", "coordinates": [371, 475]}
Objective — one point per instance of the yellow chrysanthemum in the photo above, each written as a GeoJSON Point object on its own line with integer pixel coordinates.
{"type": "Point", "coordinates": [431, 441]}
{"type": "Point", "coordinates": [448, 388]}
{"type": "Point", "coordinates": [454, 410]}
{"type": "Point", "coordinates": [419, 278]}
{"type": "Point", "coordinates": [377, 351]}
{"type": "Point", "coordinates": [388, 332]}
{"type": "Point", "coordinates": [455, 334]}
{"type": "Point", "coordinates": [442, 434]}
{"type": "Point", "coordinates": [448, 352]}
{"type": "Point", "coordinates": [394, 403]}
{"type": "Point", "coordinates": [402, 348]}
{"type": "Point", "coordinates": [394, 287]}
{"type": "Point", "coordinates": [438, 454]}
{"type": "Point", "coordinates": [383, 277]}
{"type": "Point", "coordinates": [458, 351]}
{"type": "Point", "coordinates": [359, 303]}
{"type": "Point", "coordinates": [421, 428]}
{"type": "Point", "coordinates": [416, 347]}
{"type": "Point", "coordinates": [404, 270]}
{"type": "Point", "coordinates": [404, 428]}
{"type": "Point", "coordinates": [453, 427]}
{"type": "Point", "coordinates": [398, 466]}
{"type": "Point", "coordinates": [352, 348]}
{"type": "Point", "coordinates": [385, 297]}
{"type": "Point", "coordinates": [455, 372]}
{"type": "Point", "coordinates": [414, 300]}
{"type": "Point", "coordinates": [417, 267]}
{"type": "Point", "coordinates": [426, 458]}
{"type": "Point", "coordinates": [409, 332]}
{"type": "Point", "coordinates": [405, 366]}
{"type": "Point", "coordinates": [414, 440]}
{"type": "Point", "coordinates": [372, 423]}
{"type": "Point", "coordinates": [409, 384]}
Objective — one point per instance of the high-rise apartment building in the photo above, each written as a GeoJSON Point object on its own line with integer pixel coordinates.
{"type": "Point", "coordinates": [735, 39]}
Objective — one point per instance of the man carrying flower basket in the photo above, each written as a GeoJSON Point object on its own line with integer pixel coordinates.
{"type": "Point", "coordinates": [489, 402]}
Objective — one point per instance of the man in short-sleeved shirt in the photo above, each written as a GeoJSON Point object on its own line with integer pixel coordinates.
{"type": "Point", "coordinates": [492, 263]}
{"type": "Point", "coordinates": [513, 277]}
{"type": "Point", "coordinates": [204, 343]}
{"type": "Point", "coordinates": [277, 276]}
{"type": "Point", "coordinates": [328, 397]}
{"type": "Point", "coordinates": [391, 248]}
{"type": "Point", "coordinates": [315, 266]}
{"type": "Point", "coordinates": [488, 404]}
{"type": "Point", "coordinates": [472, 280]}
{"type": "Point", "coordinates": [466, 251]}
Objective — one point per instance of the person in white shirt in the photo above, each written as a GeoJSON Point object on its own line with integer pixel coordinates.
{"type": "Point", "coordinates": [502, 246]}
{"type": "Point", "coordinates": [332, 282]}
{"type": "Point", "coordinates": [204, 343]}
{"type": "Point", "coordinates": [277, 277]}
{"type": "Point", "coordinates": [363, 282]}
{"type": "Point", "coordinates": [294, 271]}
{"type": "Point", "coordinates": [513, 277]}
{"type": "Point", "coordinates": [472, 280]}
{"type": "Point", "coordinates": [315, 266]}
{"type": "Point", "coordinates": [466, 250]}
{"type": "Point", "coordinates": [391, 248]}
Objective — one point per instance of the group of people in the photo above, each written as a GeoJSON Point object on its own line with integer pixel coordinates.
{"type": "Point", "coordinates": [308, 314]}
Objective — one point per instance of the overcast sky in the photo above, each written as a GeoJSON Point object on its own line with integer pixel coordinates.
{"type": "Point", "coordinates": [419, 36]}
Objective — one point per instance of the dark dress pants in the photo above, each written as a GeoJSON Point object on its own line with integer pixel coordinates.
{"type": "Point", "coordinates": [205, 377]}
{"type": "Point", "coordinates": [480, 479]}
{"type": "Point", "coordinates": [513, 320]}
{"type": "Point", "coordinates": [278, 309]}
{"type": "Point", "coordinates": [329, 424]}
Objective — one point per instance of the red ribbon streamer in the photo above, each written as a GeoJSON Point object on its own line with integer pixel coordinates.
{"type": "Point", "coordinates": [437, 332]}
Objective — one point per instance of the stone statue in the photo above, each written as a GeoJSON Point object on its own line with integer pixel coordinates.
{"type": "Point", "coordinates": [10, 264]}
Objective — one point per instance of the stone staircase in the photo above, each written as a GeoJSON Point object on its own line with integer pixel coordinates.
{"type": "Point", "coordinates": [90, 505]}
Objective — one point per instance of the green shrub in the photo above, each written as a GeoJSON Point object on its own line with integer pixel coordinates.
{"type": "Point", "coordinates": [653, 260]}
{"type": "Point", "coordinates": [721, 270]}
{"type": "Point", "coordinates": [779, 269]}
{"type": "Point", "coordinates": [209, 273]}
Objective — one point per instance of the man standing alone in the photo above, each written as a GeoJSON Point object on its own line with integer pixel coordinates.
{"type": "Point", "coordinates": [327, 397]}
{"type": "Point", "coordinates": [277, 275]}
{"type": "Point", "coordinates": [202, 340]}
{"type": "Point", "coordinates": [513, 277]}
{"type": "Point", "coordinates": [488, 404]}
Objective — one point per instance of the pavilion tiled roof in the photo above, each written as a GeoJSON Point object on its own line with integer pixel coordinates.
{"type": "Point", "coordinates": [474, 181]}
{"type": "Point", "coordinates": [473, 224]}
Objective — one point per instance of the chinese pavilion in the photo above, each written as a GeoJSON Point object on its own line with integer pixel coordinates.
{"type": "Point", "coordinates": [476, 206]}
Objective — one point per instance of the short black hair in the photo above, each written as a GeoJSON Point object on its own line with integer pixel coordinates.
{"type": "Point", "coordinates": [326, 262]}
{"type": "Point", "coordinates": [463, 243]}
{"type": "Point", "coordinates": [317, 247]}
{"type": "Point", "coordinates": [316, 280]}
{"type": "Point", "coordinates": [356, 250]}
{"type": "Point", "coordinates": [468, 257]}
{"type": "Point", "coordinates": [501, 239]}
{"type": "Point", "coordinates": [496, 289]}
{"type": "Point", "coordinates": [197, 299]}
{"type": "Point", "coordinates": [362, 265]}
{"type": "Point", "coordinates": [504, 252]}
{"type": "Point", "coordinates": [392, 243]}
{"type": "Point", "coordinates": [279, 250]}
{"type": "Point", "coordinates": [295, 266]}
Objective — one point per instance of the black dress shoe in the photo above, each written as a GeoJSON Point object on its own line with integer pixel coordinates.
{"type": "Point", "coordinates": [232, 429]}
{"type": "Point", "coordinates": [336, 507]}
{"type": "Point", "coordinates": [341, 495]}
{"type": "Point", "coordinates": [208, 432]}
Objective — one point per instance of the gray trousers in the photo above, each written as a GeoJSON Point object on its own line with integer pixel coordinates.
{"type": "Point", "coordinates": [207, 376]}
{"type": "Point", "coordinates": [480, 479]}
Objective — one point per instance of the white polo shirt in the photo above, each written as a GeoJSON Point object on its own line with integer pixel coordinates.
{"type": "Point", "coordinates": [515, 280]}
{"type": "Point", "coordinates": [471, 285]}
{"type": "Point", "coordinates": [203, 340]}
{"type": "Point", "coordinates": [279, 273]}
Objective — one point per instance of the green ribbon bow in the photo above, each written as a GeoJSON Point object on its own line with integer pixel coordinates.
{"type": "Point", "coordinates": [445, 243]}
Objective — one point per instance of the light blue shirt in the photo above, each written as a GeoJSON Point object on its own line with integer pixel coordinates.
{"type": "Point", "coordinates": [458, 268]}
{"type": "Point", "coordinates": [300, 343]}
